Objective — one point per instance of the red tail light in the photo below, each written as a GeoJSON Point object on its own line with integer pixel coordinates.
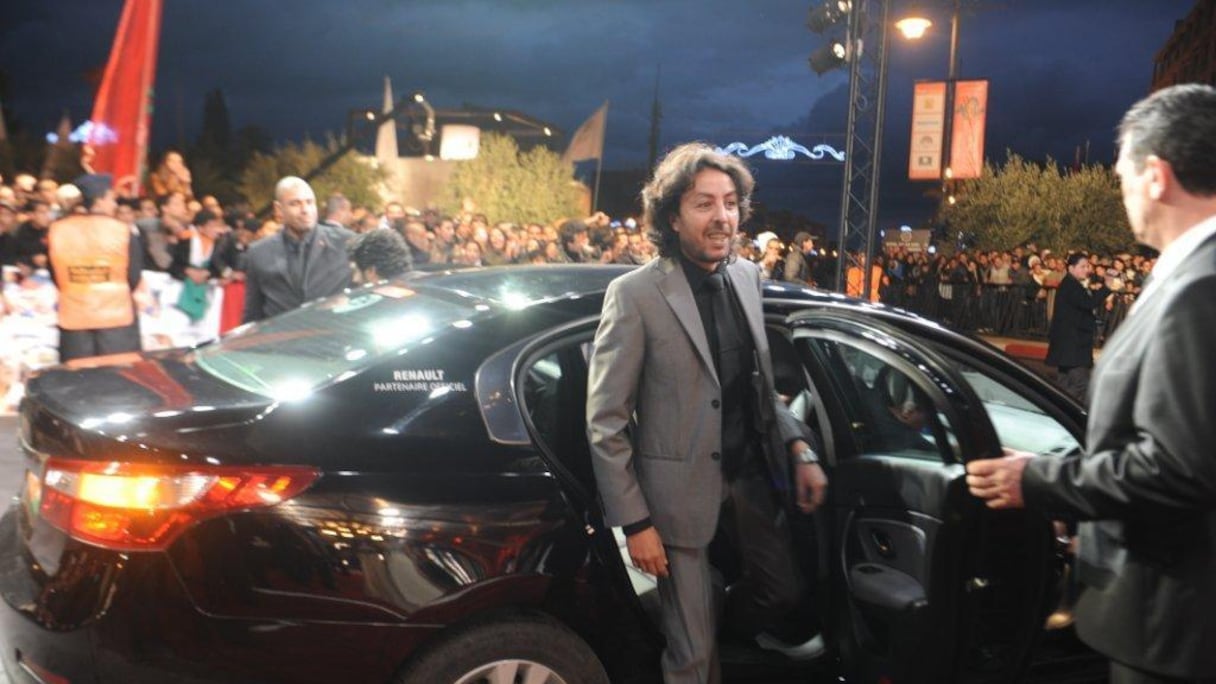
{"type": "Point", "coordinates": [141, 507]}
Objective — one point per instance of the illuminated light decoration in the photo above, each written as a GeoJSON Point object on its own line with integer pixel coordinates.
{"type": "Point", "coordinates": [782, 148]}
{"type": "Point", "coordinates": [96, 133]}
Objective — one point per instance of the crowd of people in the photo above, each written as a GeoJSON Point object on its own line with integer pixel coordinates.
{"type": "Point", "coordinates": [1007, 292]}
{"type": "Point", "coordinates": [194, 253]}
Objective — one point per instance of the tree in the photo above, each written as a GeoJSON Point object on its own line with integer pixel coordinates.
{"type": "Point", "coordinates": [213, 165]}
{"type": "Point", "coordinates": [1023, 201]}
{"type": "Point", "coordinates": [350, 175]}
{"type": "Point", "coordinates": [216, 133]}
{"type": "Point", "coordinates": [509, 185]}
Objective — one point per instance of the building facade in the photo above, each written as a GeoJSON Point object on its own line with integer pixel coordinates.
{"type": "Point", "coordinates": [1189, 55]}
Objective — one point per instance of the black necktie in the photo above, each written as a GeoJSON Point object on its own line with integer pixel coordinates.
{"type": "Point", "coordinates": [732, 350]}
{"type": "Point", "coordinates": [716, 285]}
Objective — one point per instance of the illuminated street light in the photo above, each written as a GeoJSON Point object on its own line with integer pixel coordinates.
{"type": "Point", "coordinates": [913, 28]}
{"type": "Point", "coordinates": [845, 25]}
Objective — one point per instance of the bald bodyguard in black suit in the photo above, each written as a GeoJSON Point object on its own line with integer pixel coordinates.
{"type": "Point", "coordinates": [1146, 486]}
{"type": "Point", "coordinates": [303, 261]}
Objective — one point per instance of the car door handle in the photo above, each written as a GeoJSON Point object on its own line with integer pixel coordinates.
{"type": "Point", "coordinates": [882, 544]}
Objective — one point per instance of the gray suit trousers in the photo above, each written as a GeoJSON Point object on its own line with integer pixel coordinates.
{"type": "Point", "coordinates": [768, 589]}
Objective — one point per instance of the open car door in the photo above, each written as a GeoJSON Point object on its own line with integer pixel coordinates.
{"type": "Point", "coordinates": [926, 584]}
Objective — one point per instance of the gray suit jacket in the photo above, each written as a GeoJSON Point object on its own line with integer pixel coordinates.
{"type": "Point", "coordinates": [270, 290]}
{"type": "Point", "coordinates": [652, 356]}
{"type": "Point", "coordinates": [1148, 479]}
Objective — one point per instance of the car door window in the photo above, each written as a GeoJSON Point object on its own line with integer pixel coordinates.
{"type": "Point", "coordinates": [889, 412]}
{"type": "Point", "coordinates": [555, 398]}
{"type": "Point", "coordinates": [1020, 423]}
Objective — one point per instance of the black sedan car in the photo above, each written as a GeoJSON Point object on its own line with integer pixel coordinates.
{"type": "Point", "coordinates": [394, 485]}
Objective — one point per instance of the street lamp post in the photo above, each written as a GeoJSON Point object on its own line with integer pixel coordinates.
{"type": "Point", "coordinates": [914, 28]}
{"type": "Point", "coordinates": [948, 129]}
{"type": "Point", "coordinates": [864, 51]}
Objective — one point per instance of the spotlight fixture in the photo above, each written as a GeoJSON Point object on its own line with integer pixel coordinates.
{"type": "Point", "coordinates": [828, 56]}
{"type": "Point", "coordinates": [828, 14]}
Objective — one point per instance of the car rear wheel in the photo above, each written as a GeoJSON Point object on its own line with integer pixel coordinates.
{"type": "Point", "coordinates": [530, 649]}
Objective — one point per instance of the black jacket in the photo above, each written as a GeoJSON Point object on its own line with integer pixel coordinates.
{"type": "Point", "coordinates": [270, 289]}
{"type": "Point", "coordinates": [1148, 483]}
{"type": "Point", "coordinates": [1071, 340]}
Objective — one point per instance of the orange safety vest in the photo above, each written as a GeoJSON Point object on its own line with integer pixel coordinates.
{"type": "Point", "coordinates": [853, 281]}
{"type": "Point", "coordinates": [90, 257]}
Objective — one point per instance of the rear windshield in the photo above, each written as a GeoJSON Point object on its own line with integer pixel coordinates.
{"type": "Point", "coordinates": [294, 354]}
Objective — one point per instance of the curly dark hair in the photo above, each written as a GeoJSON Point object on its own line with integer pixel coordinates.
{"type": "Point", "coordinates": [382, 248]}
{"type": "Point", "coordinates": [674, 176]}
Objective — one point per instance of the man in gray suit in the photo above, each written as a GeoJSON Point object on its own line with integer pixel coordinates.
{"type": "Point", "coordinates": [303, 261]}
{"type": "Point", "coordinates": [1146, 486]}
{"type": "Point", "coordinates": [681, 350]}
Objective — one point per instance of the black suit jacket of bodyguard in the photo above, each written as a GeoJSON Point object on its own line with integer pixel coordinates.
{"type": "Point", "coordinates": [1148, 479]}
{"type": "Point", "coordinates": [1071, 340]}
{"type": "Point", "coordinates": [269, 288]}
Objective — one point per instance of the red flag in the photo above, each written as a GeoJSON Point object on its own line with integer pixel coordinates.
{"type": "Point", "coordinates": [588, 141]}
{"type": "Point", "coordinates": [119, 131]}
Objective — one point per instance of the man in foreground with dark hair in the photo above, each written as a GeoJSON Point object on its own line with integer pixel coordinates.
{"type": "Point", "coordinates": [1145, 488]}
{"type": "Point", "coordinates": [686, 431]}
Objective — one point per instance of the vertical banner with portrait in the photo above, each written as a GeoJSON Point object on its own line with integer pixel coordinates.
{"type": "Point", "coordinates": [967, 134]}
{"type": "Point", "coordinates": [928, 128]}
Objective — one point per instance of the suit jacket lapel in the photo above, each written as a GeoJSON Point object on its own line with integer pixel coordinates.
{"type": "Point", "coordinates": [678, 294]}
{"type": "Point", "coordinates": [753, 309]}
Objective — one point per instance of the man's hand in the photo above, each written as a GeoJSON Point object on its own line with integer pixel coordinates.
{"type": "Point", "coordinates": [812, 486]}
{"type": "Point", "coordinates": [810, 482]}
{"type": "Point", "coordinates": [998, 481]}
{"type": "Point", "coordinates": [647, 552]}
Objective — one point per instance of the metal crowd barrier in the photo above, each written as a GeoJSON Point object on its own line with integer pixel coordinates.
{"type": "Point", "coordinates": [1007, 310]}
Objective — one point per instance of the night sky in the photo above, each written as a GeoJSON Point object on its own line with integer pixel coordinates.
{"type": "Point", "coordinates": [1061, 71]}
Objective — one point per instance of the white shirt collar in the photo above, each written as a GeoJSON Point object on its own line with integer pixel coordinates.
{"type": "Point", "coordinates": [1177, 252]}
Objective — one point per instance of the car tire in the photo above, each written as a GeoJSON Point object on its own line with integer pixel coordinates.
{"type": "Point", "coordinates": [525, 648]}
